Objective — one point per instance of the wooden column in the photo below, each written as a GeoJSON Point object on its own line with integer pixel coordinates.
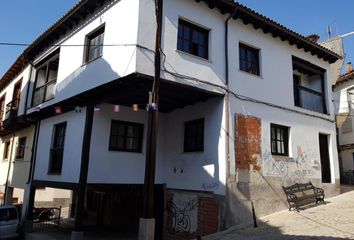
{"type": "Point", "coordinates": [150, 165]}
{"type": "Point", "coordinates": [84, 168]}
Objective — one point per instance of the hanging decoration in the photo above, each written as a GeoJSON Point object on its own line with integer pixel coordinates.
{"type": "Point", "coordinates": [135, 107]}
{"type": "Point", "coordinates": [116, 108]}
{"type": "Point", "coordinates": [97, 107]}
{"type": "Point", "coordinates": [57, 109]}
{"type": "Point", "coordinates": [154, 106]}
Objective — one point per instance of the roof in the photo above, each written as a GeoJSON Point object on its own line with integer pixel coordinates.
{"type": "Point", "coordinates": [85, 7]}
{"type": "Point", "coordinates": [345, 77]}
{"type": "Point", "coordinates": [259, 21]}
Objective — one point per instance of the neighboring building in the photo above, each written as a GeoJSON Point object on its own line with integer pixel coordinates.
{"type": "Point", "coordinates": [232, 129]}
{"type": "Point", "coordinates": [344, 100]}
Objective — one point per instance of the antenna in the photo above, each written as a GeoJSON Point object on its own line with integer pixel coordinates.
{"type": "Point", "coordinates": [347, 34]}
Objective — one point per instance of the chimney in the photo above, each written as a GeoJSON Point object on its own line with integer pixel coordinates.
{"type": "Point", "coordinates": [348, 68]}
{"type": "Point", "coordinates": [313, 37]}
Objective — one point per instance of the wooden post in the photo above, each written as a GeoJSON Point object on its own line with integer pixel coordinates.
{"type": "Point", "coordinates": [84, 168]}
{"type": "Point", "coordinates": [150, 165]}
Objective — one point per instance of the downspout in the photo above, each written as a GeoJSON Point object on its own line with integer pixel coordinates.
{"type": "Point", "coordinates": [227, 122]}
{"type": "Point", "coordinates": [9, 168]}
{"type": "Point", "coordinates": [227, 99]}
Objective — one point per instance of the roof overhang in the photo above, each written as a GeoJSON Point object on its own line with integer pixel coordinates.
{"type": "Point", "coordinates": [258, 21]}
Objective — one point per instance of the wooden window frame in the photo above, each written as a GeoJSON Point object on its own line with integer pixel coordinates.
{"type": "Point", "coordinates": [137, 126]}
{"type": "Point", "coordinates": [55, 56]}
{"type": "Point", "coordinates": [284, 139]}
{"type": "Point", "coordinates": [20, 150]}
{"type": "Point", "coordinates": [244, 60]}
{"type": "Point", "coordinates": [88, 47]}
{"type": "Point", "coordinates": [196, 142]}
{"type": "Point", "coordinates": [7, 147]}
{"type": "Point", "coordinates": [193, 46]}
{"type": "Point", "coordinates": [59, 150]}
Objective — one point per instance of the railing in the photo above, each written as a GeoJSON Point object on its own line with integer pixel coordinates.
{"type": "Point", "coordinates": [11, 108]}
{"type": "Point", "coordinates": [46, 217]}
{"type": "Point", "coordinates": [309, 99]}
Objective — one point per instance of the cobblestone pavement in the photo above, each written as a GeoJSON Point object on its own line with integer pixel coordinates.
{"type": "Point", "coordinates": [335, 220]}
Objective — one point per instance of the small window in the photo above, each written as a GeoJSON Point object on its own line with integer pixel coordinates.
{"type": "Point", "coordinates": [46, 78]}
{"type": "Point", "coordinates": [6, 150]}
{"type": "Point", "coordinates": [126, 136]}
{"type": "Point", "coordinates": [94, 43]}
{"type": "Point", "coordinates": [194, 136]}
{"type": "Point", "coordinates": [249, 59]}
{"type": "Point", "coordinates": [280, 140]}
{"type": "Point", "coordinates": [57, 150]}
{"type": "Point", "coordinates": [21, 146]}
{"type": "Point", "coordinates": [193, 39]}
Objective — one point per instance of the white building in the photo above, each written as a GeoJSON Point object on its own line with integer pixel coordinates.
{"type": "Point", "coordinates": [245, 107]}
{"type": "Point", "coordinates": [343, 98]}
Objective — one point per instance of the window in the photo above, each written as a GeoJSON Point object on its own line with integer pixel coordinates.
{"type": "Point", "coordinates": [46, 78]}
{"type": "Point", "coordinates": [249, 59]}
{"type": "Point", "coordinates": [192, 39]}
{"type": "Point", "coordinates": [94, 43]}
{"type": "Point", "coordinates": [57, 150]}
{"type": "Point", "coordinates": [126, 136]}
{"type": "Point", "coordinates": [297, 96]}
{"type": "Point", "coordinates": [279, 140]}
{"type": "Point", "coordinates": [21, 146]}
{"type": "Point", "coordinates": [6, 150]}
{"type": "Point", "coordinates": [194, 136]}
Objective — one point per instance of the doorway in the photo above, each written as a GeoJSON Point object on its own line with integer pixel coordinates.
{"type": "Point", "coordinates": [325, 161]}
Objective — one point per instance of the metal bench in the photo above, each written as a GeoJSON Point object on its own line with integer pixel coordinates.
{"type": "Point", "coordinates": [301, 194]}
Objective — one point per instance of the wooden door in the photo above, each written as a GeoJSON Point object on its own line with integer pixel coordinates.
{"type": "Point", "coordinates": [325, 161]}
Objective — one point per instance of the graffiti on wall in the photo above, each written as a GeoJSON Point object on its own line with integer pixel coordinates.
{"type": "Point", "coordinates": [210, 186]}
{"type": "Point", "coordinates": [182, 213]}
{"type": "Point", "coordinates": [305, 164]}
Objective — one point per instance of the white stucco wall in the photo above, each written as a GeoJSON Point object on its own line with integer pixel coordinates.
{"type": "Point", "coordinates": [74, 75]}
{"type": "Point", "coordinates": [196, 171]}
{"type": "Point", "coordinates": [72, 147]}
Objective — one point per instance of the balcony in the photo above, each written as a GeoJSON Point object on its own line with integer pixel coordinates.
{"type": "Point", "coordinates": [309, 86]}
{"type": "Point", "coordinates": [12, 121]}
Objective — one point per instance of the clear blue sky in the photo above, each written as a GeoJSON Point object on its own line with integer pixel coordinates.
{"type": "Point", "coordinates": [21, 21]}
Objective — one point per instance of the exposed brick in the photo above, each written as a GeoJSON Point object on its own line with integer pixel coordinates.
{"type": "Point", "coordinates": [248, 142]}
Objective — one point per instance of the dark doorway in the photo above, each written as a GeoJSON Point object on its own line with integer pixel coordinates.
{"type": "Point", "coordinates": [325, 163]}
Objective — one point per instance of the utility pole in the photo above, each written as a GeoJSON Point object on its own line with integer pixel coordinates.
{"type": "Point", "coordinates": [147, 223]}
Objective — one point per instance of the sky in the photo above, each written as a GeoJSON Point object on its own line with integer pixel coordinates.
{"type": "Point", "coordinates": [22, 21]}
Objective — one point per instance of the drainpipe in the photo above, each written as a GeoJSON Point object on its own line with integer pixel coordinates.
{"type": "Point", "coordinates": [227, 99]}
{"type": "Point", "coordinates": [8, 169]}
{"type": "Point", "coordinates": [227, 115]}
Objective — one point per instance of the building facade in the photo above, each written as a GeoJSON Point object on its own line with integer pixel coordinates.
{"type": "Point", "coordinates": [245, 108]}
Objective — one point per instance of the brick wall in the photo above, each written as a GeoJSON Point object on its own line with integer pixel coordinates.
{"type": "Point", "coordinates": [248, 142]}
{"type": "Point", "coordinates": [180, 219]}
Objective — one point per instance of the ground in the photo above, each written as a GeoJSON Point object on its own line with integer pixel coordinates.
{"type": "Point", "coordinates": [335, 220]}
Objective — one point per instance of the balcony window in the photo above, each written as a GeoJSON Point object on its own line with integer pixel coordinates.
{"type": "Point", "coordinates": [57, 150]}
{"type": "Point", "coordinates": [12, 107]}
{"type": "Point", "coordinates": [193, 39]}
{"type": "Point", "coordinates": [94, 47]}
{"type": "Point", "coordinates": [46, 79]}
{"type": "Point", "coordinates": [309, 86]}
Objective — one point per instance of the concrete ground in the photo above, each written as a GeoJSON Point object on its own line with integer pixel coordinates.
{"type": "Point", "coordinates": [335, 220]}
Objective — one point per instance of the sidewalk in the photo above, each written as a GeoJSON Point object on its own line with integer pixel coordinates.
{"type": "Point", "coordinates": [335, 220]}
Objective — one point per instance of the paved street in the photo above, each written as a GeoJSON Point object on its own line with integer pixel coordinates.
{"type": "Point", "coordinates": [335, 220]}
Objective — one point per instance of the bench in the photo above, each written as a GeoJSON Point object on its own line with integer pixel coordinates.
{"type": "Point", "coordinates": [301, 194]}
